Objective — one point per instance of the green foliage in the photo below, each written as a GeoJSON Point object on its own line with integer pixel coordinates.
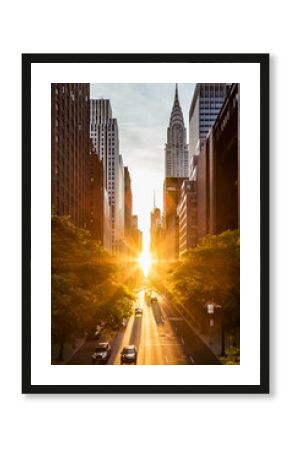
{"type": "Point", "coordinates": [211, 272]}
{"type": "Point", "coordinates": [72, 306]}
{"type": "Point", "coordinates": [208, 272]}
{"type": "Point", "coordinates": [86, 284]}
{"type": "Point", "coordinates": [233, 351]}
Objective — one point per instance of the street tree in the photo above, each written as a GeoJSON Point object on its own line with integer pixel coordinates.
{"type": "Point", "coordinates": [86, 284]}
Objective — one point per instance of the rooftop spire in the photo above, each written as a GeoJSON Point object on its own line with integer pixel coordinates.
{"type": "Point", "coordinates": [176, 113]}
{"type": "Point", "coordinates": [176, 91]}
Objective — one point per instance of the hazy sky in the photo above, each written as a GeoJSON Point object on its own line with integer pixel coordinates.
{"type": "Point", "coordinates": [143, 113]}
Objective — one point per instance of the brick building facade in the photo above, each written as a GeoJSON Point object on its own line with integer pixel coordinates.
{"type": "Point", "coordinates": [70, 146]}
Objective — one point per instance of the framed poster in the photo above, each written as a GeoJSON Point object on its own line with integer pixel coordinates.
{"type": "Point", "coordinates": [145, 223]}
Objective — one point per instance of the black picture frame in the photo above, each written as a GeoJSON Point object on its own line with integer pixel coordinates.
{"type": "Point", "coordinates": [27, 61]}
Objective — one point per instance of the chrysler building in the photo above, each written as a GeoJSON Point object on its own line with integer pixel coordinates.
{"type": "Point", "coordinates": [176, 149]}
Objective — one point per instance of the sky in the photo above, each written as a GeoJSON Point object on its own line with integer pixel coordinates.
{"type": "Point", "coordinates": [143, 113]}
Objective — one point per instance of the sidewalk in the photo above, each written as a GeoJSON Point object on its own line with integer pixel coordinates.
{"type": "Point", "coordinates": [213, 342]}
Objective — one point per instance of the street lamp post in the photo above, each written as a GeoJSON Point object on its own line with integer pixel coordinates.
{"type": "Point", "coordinates": [222, 332]}
{"type": "Point", "coordinates": [221, 315]}
{"type": "Point", "coordinates": [210, 311]}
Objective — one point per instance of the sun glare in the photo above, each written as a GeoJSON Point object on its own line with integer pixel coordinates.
{"type": "Point", "coordinates": [145, 262]}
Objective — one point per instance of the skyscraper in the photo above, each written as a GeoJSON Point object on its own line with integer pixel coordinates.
{"type": "Point", "coordinates": [171, 197]}
{"type": "Point", "coordinates": [128, 202]}
{"type": "Point", "coordinates": [186, 212]}
{"type": "Point", "coordinates": [100, 115]}
{"type": "Point", "coordinates": [70, 147]}
{"type": "Point", "coordinates": [105, 137]}
{"type": "Point", "coordinates": [217, 171]}
{"type": "Point", "coordinates": [120, 212]}
{"type": "Point", "coordinates": [176, 149]}
{"type": "Point", "coordinates": [155, 233]}
{"type": "Point", "coordinates": [206, 104]}
{"type": "Point", "coordinates": [99, 211]}
{"type": "Point", "coordinates": [136, 238]}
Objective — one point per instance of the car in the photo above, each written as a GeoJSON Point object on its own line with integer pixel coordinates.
{"type": "Point", "coordinates": [138, 312]}
{"type": "Point", "coordinates": [129, 355]}
{"type": "Point", "coordinates": [147, 295]}
{"type": "Point", "coordinates": [102, 353]}
{"type": "Point", "coordinates": [124, 322]}
{"type": "Point", "coordinates": [154, 299]}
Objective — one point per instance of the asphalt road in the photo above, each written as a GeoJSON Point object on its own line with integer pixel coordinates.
{"type": "Point", "coordinates": [162, 336]}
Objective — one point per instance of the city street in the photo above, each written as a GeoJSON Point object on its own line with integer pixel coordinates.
{"type": "Point", "coordinates": [127, 236]}
{"type": "Point", "coordinates": [161, 335]}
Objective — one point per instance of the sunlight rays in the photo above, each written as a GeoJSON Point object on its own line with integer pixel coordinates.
{"type": "Point", "coordinates": [145, 262]}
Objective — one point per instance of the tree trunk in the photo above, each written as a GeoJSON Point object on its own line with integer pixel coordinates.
{"type": "Point", "coordinates": [60, 354]}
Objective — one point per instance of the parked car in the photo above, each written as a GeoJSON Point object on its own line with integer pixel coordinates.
{"type": "Point", "coordinates": [102, 353]}
{"type": "Point", "coordinates": [129, 355]}
{"type": "Point", "coordinates": [124, 322]}
{"type": "Point", "coordinates": [93, 333]}
{"type": "Point", "coordinates": [138, 312]}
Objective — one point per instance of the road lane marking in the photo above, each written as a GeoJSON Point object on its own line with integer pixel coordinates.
{"type": "Point", "coordinates": [160, 345]}
{"type": "Point", "coordinates": [198, 336]}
